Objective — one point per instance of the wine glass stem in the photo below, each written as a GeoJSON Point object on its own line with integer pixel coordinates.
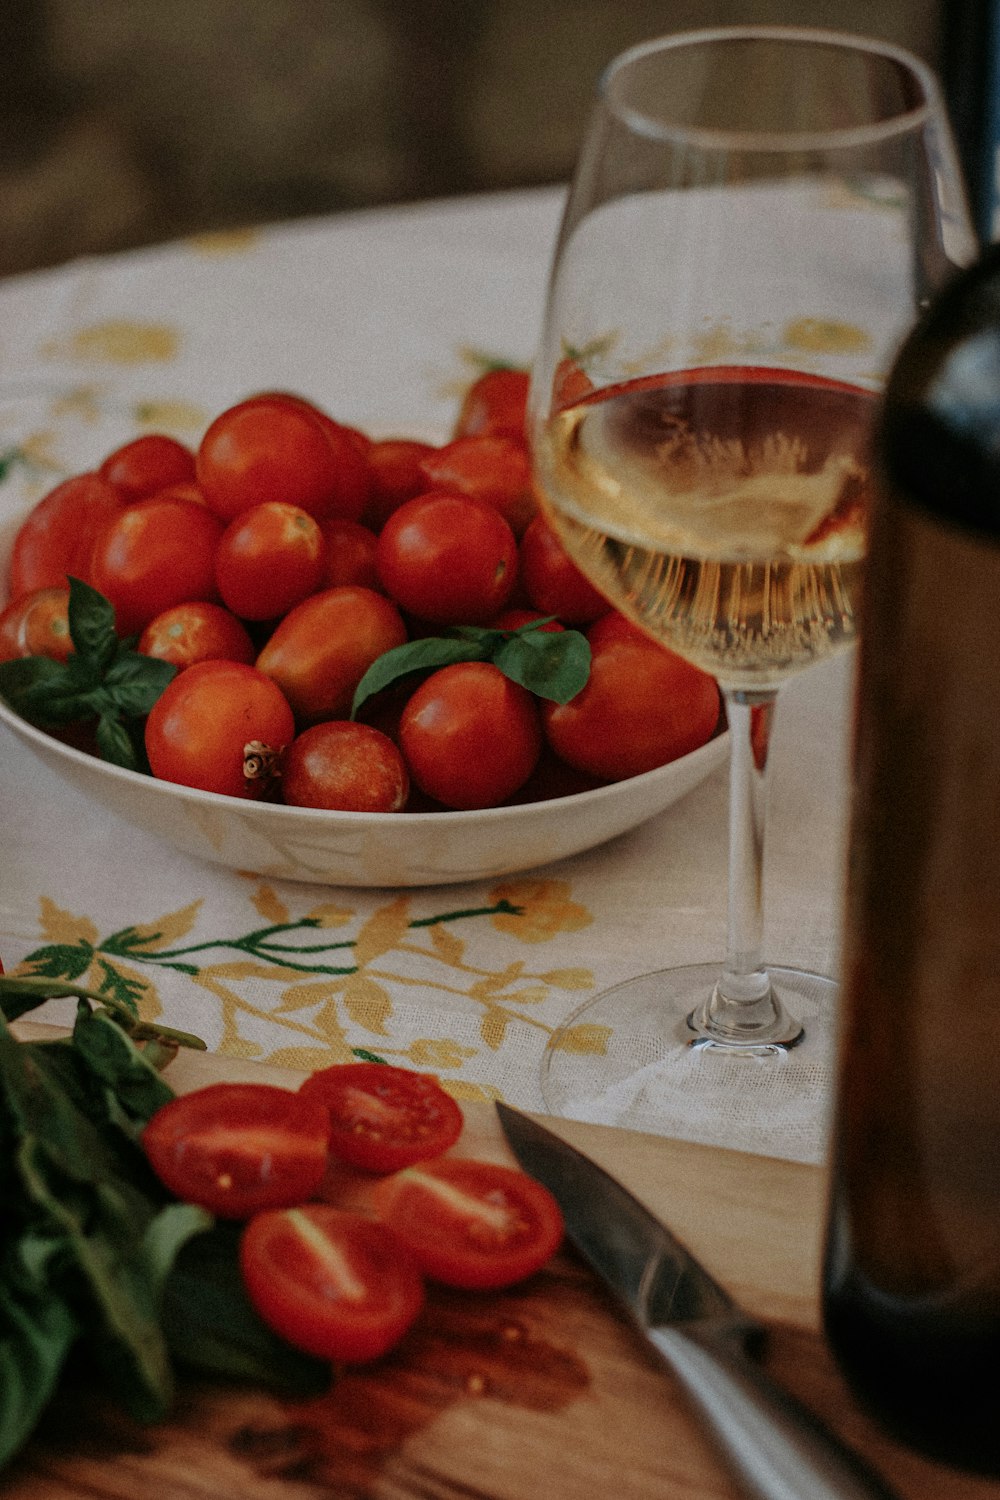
{"type": "Point", "coordinates": [750, 718]}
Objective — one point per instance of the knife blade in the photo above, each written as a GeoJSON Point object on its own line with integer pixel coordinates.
{"type": "Point", "coordinates": [775, 1448]}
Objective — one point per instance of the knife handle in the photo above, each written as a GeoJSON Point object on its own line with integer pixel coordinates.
{"type": "Point", "coordinates": [776, 1449]}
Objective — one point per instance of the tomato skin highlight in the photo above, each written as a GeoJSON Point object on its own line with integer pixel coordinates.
{"type": "Point", "coordinates": [147, 465]}
{"type": "Point", "coordinates": [269, 558]}
{"type": "Point", "coordinates": [154, 554]}
{"type": "Point", "coordinates": [37, 624]}
{"type": "Point", "coordinates": [197, 630]}
{"type": "Point", "coordinates": [323, 647]}
{"type": "Point", "coordinates": [345, 767]}
{"type": "Point", "coordinates": [470, 736]}
{"type": "Point", "coordinates": [448, 559]}
{"type": "Point", "coordinates": [495, 403]}
{"type": "Point", "coordinates": [199, 728]}
{"type": "Point", "coordinates": [334, 1284]}
{"type": "Point", "coordinates": [471, 1224]}
{"type": "Point", "coordinates": [383, 1118]}
{"type": "Point", "coordinates": [239, 1148]}
{"type": "Point", "coordinates": [56, 538]}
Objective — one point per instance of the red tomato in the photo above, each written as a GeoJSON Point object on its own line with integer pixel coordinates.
{"type": "Point", "coordinates": [470, 736]}
{"type": "Point", "coordinates": [323, 647]}
{"type": "Point", "coordinates": [490, 468]}
{"type": "Point", "coordinates": [350, 554]}
{"type": "Point", "coordinates": [36, 624]}
{"type": "Point", "coordinates": [147, 465]}
{"type": "Point", "coordinates": [354, 478]}
{"type": "Point", "coordinates": [269, 558]}
{"type": "Point", "coordinates": [280, 448]}
{"type": "Point", "coordinates": [641, 706]}
{"type": "Point", "coordinates": [57, 537]}
{"type": "Point", "coordinates": [346, 767]}
{"type": "Point", "coordinates": [237, 1148]}
{"type": "Point", "coordinates": [154, 554]}
{"type": "Point", "coordinates": [552, 580]}
{"type": "Point", "coordinates": [513, 619]}
{"type": "Point", "coordinates": [197, 631]}
{"type": "Point", "coordinates": [383, 1118]}
{"type": "Point", "coordinates": [217, 726]}
{"type": "Point", "coordinates": [394, 464]}
{"type": "Point", "coordinates": [495, 404]}
{"type": "Point", "coordinates": [332, 1283]}
{"type": "Point", "coordinates": [448, 559]}
{"type": "Point", "coordinates": [471, 1224]}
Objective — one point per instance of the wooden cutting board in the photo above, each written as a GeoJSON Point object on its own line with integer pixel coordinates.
{"type": "Point", "coordinates": [544, 1392]}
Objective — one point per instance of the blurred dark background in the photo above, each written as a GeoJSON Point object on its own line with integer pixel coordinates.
{"type": "Point", "coordinates": [128, 122]}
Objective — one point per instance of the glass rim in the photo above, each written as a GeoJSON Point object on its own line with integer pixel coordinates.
{"type": "Point", "coordinates": [849, 136]}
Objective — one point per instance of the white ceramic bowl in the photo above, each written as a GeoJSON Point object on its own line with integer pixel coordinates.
{"type": "Point", "coordinates": [372, 849]}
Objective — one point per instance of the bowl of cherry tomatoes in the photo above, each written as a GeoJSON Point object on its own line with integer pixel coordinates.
{"type": "Point", "coordinates": [308, 653]}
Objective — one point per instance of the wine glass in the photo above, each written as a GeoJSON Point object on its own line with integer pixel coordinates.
{"type": "Point", "coordinates": [756, 218]}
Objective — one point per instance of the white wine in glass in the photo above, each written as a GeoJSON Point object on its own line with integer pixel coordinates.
{"type": "Point", "coordinates": [757, 216]}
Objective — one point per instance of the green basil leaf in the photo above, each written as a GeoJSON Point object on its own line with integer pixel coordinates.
{"type": "Point", "coordinates": [37, 1332]}
{"type": "Point", "coordinates": [132, 683]}
{"type": "Point", "coordinates": [119, 1064]}
{"type": "Point", "coordinates": [552, 664]}
{"type": "Point", "coordinates": [91, 625]}
{"type": "Point", "coordinates": [43, 691]}
{"type": "Point", "coordinates": [117, 745]}
{"type": "Point", "coordinates": [419, 656]}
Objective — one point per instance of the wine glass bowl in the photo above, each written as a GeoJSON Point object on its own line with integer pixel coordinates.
{"type": "Point", "coordinates": [756, 217]}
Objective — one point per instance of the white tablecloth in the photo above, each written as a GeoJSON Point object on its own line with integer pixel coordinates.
{"type": "Point", "coordinates": [379, 317]}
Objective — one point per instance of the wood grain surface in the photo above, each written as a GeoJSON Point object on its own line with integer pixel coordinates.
{"type": "Point", "coordinates": [544, 1392]}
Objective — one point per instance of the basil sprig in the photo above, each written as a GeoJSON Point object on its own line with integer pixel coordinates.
{"type": "Point", "coordinates": [98, 1262]}
{"type": "Point", "coordinates": [104, 679]}
{"type": "Point", "coordinates": [553, 664]}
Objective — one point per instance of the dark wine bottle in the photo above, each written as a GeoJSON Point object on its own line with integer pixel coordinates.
{"type": "Point", "coordinates": [912, 1267]}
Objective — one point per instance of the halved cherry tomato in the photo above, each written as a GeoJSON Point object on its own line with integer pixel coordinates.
{"type": "Point", "coordinates": [345, 767]}
{"type": "Point", "coordinates": [495, 403]}
{"type": "Point", "coordinates": [488, 467]}
{"type": "Point", "coordinates": [448, 559]}
{"type": "Point", "coordinates": [472, 1224]}
{"type": "Point", "coordinates": [383, 1118]}
{"type": "Point", "coordinates": [237, 1148]}
{"type": "Point", "coordinates": [470, 736]}
{"type": "Point", "coordinates": [219, 726]}
{"type": "Point", "coordinates": [323, 647]}
{"type": "Point", "coordinates": [147, 465]}
{"type": "Point", "coordinates": [56, 539]}
{"type": "Point", "coordinates": [269, 558]}
{"type": "Point", "coordinates": [194, 631]}
{"type": "Point", "coordinates": [332, 1283]}
{"type": "Point", "coordinates": [154, 554]}
{"type": "Point", "coordinates": [37, 624]}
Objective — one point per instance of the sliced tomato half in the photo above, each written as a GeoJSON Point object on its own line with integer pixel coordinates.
{"type": "Point", "coordinates": [237, 1148]}
{"type": "Point", "coordinates": [383, 1118]}
{"type": "Point", "coordinates": [472, 1224]}
{"type": "Point", "coordinates": [332, 1283]}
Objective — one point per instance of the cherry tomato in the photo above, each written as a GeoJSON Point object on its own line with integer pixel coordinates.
{"type": "Point", "coordinates": [495, 404]}
{"type": "Point", "coordinates": [448, 559]}
{"type": "Point", "coordinates": [280, 448]}
{"type": "Point", "coordinates": [269, 558]}
{"type": "Point", "coordinates": [217, 726]}
{"type": "Point", "coordinates": [56, 539]}
{"type": "Point", "coordinates": [324, 646]}
{"type": "Point", "coordinates": [237, 1148]}
{"type": "Point", "coordinates": [350, 554]}
{"type": "Point", "coordinates": [470, 736]}
{"type": "Point", "coordinates": [552, 580]}
{"type": "Point", "coordinates": [147, 465]}
{"type": "Point", "coordinates": [339, 1286]}
{"type": "Point", "coordinates": [490, 468]}
{"type": "Point", "coordinates": [383, 1118]}
{"type": "Point", "coordinates": [394, 465]}
{"type": "Point", "coordinates": [641, 706]}
{"type": "Point", "coordinates": [36, 624]}
{"type": "Point", "coordinates": [197, 631]}
{"type": "Point", "coordinates": [154, 554]}
{"type": "Point", "coordinates": [469, 1223]}
{"type": "Point", "coordinates": [513, 619]}
{"type": "Point", "coordinates": [346, 767]}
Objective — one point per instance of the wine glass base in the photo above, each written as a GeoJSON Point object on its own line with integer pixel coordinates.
{"type": "Point", "coordinates": [629, 1057]}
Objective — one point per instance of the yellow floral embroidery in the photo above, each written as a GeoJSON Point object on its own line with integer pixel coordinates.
{"type": "Point", "coordinates": [119, 341]}
{"type": "Point", "coordinates": [170, 416]}
{"type": "Point", "coordinates": [546, 910]}
{"type": "Point", "coordinates": [826, 336]}
{"type": "Point", "coordinates": [585, 1038]}
{"type": "Point", "coordinates": [225, 241]}
{"type": "Point", "coordinates": [431, 1052]}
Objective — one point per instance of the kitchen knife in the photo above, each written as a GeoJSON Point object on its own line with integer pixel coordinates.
{"type": "Point", "coordinates": [776, 1449]}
